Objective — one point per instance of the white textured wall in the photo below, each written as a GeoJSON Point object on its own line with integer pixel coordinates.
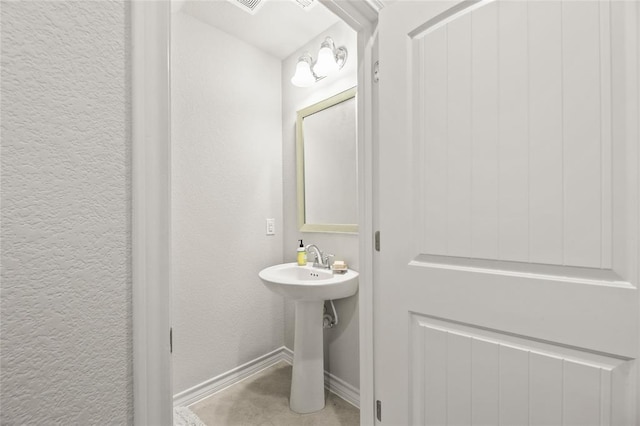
{"type": "Point", "coordinates": [66, 286]}
{"type": "Point", "coordinates": [227, 178]}
{"type": "Point", "coordinates": [342, 342]}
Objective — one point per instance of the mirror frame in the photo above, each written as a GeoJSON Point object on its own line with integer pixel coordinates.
{"type": "Point", "coordinates": [305, 112]}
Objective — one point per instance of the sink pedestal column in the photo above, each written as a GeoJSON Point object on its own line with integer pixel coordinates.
{"type": "Point", "coordinates": [307, 383]}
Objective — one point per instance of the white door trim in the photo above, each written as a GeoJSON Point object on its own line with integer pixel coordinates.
{"type": "Point", "coordinates": [150, 35]}
{"type": "Point", "coordinates": [151, 207]}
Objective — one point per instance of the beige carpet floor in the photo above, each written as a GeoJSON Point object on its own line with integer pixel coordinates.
{"type": "Point", "coordinates": [263, 400]}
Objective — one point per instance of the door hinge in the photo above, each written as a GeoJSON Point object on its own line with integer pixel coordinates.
{"type": "Point", "coordinates": [376, 71]}
{"type": "Point", "coordinates": [171, 340]}
{"type": "Point", "coordinates": [379, 410]}
{"type": "Point", "coordinates": [376, 240]}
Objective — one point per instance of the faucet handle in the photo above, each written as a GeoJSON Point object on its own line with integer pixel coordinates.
{"type": "Point", "coordinates": [326, 259]}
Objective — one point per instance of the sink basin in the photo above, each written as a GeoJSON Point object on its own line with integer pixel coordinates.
{"type": "Point", "coordinates": [309, 287]}
{"type": "Point", "coordinates": [308, 283]}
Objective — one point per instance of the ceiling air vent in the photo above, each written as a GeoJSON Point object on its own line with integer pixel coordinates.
{"type": "Point", "coordinates": [250, 6]}
{"type": "Point", "coordinates": [305, 4]}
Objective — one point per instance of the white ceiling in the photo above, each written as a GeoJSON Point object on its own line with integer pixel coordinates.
{"type": "Point", "coordinates": [279, 27]}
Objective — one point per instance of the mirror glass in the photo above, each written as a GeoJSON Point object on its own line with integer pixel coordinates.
{"type": "Point", "coordinates": [326, 148]}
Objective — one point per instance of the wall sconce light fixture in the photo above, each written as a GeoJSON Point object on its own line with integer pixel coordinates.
{"type": "Point", "coordinates": [330, 60]}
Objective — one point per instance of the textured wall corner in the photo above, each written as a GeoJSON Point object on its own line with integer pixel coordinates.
{"type": "Point", "coordinates": [66, 346]}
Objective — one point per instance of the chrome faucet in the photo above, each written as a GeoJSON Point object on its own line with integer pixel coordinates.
{"type": "Point", "coordinates": [321, 260]}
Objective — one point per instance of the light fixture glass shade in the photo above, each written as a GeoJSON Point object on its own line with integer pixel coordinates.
{"type": "Point", "coordinates": [304, 76]}
{"type": "Point", "coordinates": [326, 63]}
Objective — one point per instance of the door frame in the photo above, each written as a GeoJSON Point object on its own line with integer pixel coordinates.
{"type": "Point", "coordinates": [151, 202]}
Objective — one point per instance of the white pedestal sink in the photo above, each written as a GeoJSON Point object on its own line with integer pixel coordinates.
{"type": "Point", "coordinates": [309, 287]}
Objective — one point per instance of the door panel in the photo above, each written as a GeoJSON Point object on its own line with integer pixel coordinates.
{"type": "Point", "coordinates": [545, 119]}
{"type": "Point", "coordinates": [485, 154]}
{"type": "Point", "coordinates": [536, 96]}
{"type": "Point", "coordinates": [476, 376]}
{"type": "Point", "coordinates": [509, 213]}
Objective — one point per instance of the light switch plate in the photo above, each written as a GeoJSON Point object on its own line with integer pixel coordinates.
{"type": "Point", "coordinates": [271, 226]}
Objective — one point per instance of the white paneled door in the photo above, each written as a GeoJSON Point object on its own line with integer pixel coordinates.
{"type": "Point", "coordinates": [508, 270]}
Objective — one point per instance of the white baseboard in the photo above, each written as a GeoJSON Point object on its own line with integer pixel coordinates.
{"type": "Point", "coordinates": [224, 380]}
{"type": "Point", "coordinates": [207, 388]}
{"type": "Point", "coordinates": [342, 389]}
{"type": "Point", "coordinates": [287, 355]}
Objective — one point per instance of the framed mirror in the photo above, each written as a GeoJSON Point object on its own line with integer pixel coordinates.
{"type": "Point", "coordinates": [327, 174]}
